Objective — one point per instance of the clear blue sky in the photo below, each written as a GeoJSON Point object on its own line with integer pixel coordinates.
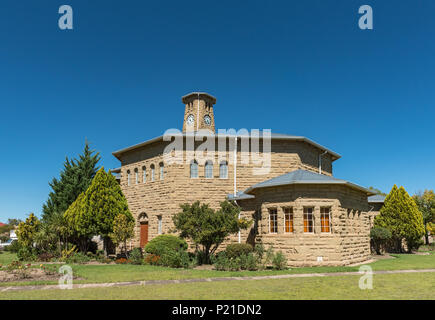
{"type": "Point", "coordinates": [297, 67]}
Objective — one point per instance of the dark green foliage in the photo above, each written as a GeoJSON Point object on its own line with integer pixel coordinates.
{"type": "Point", "coordinates": [14, 247]}
{"type": "Point", "coordinates": [136, 256]}
{"type": "Point", "coordinates": [27, 254]}
{"type": "Point", "coordinates": [235, 250]}
{"type": "Point", "coordinates": [426, 204]}
{"type": "Point", "coordinates": [380, 238]}
{"type": "Point", "coordinates": [75, 178]}
{"type": "Point", "coordinates": [279, 261]}
{"type": "Point", "coordinates": [208, 228]}
{"type": "Point", "coordinates": [165, 242]}
{"type": "Point", "coordinates": [77, 258]}
{"type": "Point", "coordinates": [401, 216]}
{"type": "Point", "coordinates": [175, 259]}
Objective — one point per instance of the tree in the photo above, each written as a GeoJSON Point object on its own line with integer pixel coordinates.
{"type": "Point", "coordinates": [75, 178]}
{"type": "Point", "coordinates": [401, 216]}
{"type": "Point", "coordinates": [208, 228]}
{"type": "Point", "coordinates": [27, 230]}
{"type": "Point", "coordinates": [123, 230]}
{"type": "Point", "coordinates": [426, 204]}
{"type": "Point", "coordinates": [94, 211]}
{"type": "Point", "coordinates": [377, 191]}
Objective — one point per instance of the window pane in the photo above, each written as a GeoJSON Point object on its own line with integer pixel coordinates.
{"type": "Point", "coordinates": [325, 224]}
{"type": "Point", "coordinates": [273, 221]}
{"type": "Point", "coordinates": [194, 170]}
{"type": "Point", "coordinates": [288, 218]}
{"type": "Point", "coordinates": [308, 220]}
{"type": "Point", "coordinates": [209, 170]}
{"type": "Point", "coordinates": [161, 171]}
{"type": "Point", "coordinates": [223, 171]}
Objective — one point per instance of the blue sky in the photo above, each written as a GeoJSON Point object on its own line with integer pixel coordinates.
{"type": "Point", "coordinates": [297, 67]}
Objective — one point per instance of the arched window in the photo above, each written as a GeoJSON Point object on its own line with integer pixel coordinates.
{"type": "Point", "coordinates": [208, 170]}
{"type": "Point", "coordinates": [128, 177]}
{"type": "Point", "coordinates": [223, 170]}
{"type": "Point", "coordinates": [162, 169]}
{"type": "Point", "coordinates": [144, 172]}
{"type": "Point", "coordinates": [152, 172]}
{"type": "Point", "coordinates": [194, 169]}
{"type": "Point", "coordinates": [136, 175]}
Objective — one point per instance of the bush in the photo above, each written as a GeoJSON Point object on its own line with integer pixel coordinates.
{"type": "Point", "coordinates": [136, 256]}
{"type": "Point", "coordinates": [45, 257]}
{"type": "Point", "coordinates": [235, 250]}
{"type": "Point", "coordinates": [279, 261]}
{"type": "Point", "coordinates": [27, 254]}
{"type": "Point", "coordinates": [152, 259]}
{"type": "Point", "coordinates": [77, 258]}
{"type": "Point", "coordinates": [175, 259]}
{"type": "Point", "coordinates": [165, 242]}
{"type": "Point", "coordinates": [13, 247]}
{"type": "Point", "coordinates": [380, 237]}
{"type": "Point", "coordinates": [122, 261]}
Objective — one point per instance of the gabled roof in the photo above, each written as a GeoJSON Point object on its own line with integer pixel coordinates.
{"type": "Point", "coordinates": [304, 177]}
{"type": "Point", "coordinates": [276, 136]}
{"type": "Point", "coordinates": [377, 198]}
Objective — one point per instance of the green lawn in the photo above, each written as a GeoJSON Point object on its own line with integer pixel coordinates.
{"type": "Point", "coordinates": [385, 286]}
{"type": "Point", "coordinates": [118, 273]}
{"type": "Point", "coordinates": [7, 257]}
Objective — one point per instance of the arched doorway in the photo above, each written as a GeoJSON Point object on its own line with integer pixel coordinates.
{"type": "Point", "coordinates": [143, 227]}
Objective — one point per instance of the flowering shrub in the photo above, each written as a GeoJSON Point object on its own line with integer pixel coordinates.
{"type": "Point", "coordinates": [152, 259]}
{"type": "Point", "coordinates": [122, 261]}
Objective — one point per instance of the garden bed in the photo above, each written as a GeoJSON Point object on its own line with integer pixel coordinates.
{"type": "Point", "coordinates": [31, 274]}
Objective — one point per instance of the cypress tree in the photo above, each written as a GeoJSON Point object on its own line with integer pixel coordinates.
{"type": "Point", "coordinates": [401, 216]}
{"type": "Point", "coordinates": [94, 212]}
{"type": "Point", "coordinates": [75, 178]}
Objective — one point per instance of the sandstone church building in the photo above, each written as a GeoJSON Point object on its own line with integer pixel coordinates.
{"type": "Point", "coordinates": [298, 206]}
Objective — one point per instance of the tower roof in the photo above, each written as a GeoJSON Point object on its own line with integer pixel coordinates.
{"type": "Point", "coordinates": [195, 95]}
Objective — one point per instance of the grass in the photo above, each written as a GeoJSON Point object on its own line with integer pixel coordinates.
{"type": "Point", "coordinates": [7, 257]}
{"type": "Point", "coordinates": [119, 273]}
{"type": "Point", "coordinates": [385, 286]}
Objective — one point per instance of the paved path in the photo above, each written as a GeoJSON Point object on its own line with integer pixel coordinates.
{"type": "Point", "coordinates": [150, 282]}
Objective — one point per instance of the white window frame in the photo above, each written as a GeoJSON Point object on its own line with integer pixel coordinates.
{"type": "Point", "coordinates": [329, 219]}
{"type": "Point", "coordinates": [144, 174]}
{"type": "Point", "coordinates": [276, 220]}
{"type": "Point", "coordinates": [162, 171]}
{"type": "Point", "coordinates": [293, 219]}
{"type": "Point", "coordinates": [136, 175]}
{"type": "Point", "coordinates": [159, 225]}
{"type": "Point", "coordinates": [153, 173]}
{"type": "Point", "coordinates": [312, 219]}
{"type": "Point", "coordinates": [207, 166]}
{"type": "Point", "coordinates": [128, 178]}
{"type": "Point", "coordinates": [194, 163]}
{"type": "Point", "coordinates": [223, 164]}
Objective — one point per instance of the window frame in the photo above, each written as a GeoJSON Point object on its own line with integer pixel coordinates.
{"type": "Point", "coordinates": [136, 176]}
{"type": "Point", "coordinates": [144, 174]}
{"type": "Point", "coordinates": [161, 171]}
{"type": "Point", "coordinates": [291, 221]}
{"type": "Point", "coordinates": [153, 173]}
{"type": "Point", "coordinates": [128, 178]}
{"type": "Point", "coordinates": [276, 220]}
{"type": "Point", "coordinates": [225, 165]}
{"type": "Point", "coordinates": [194, 163]}
{"type": "Point", "coordinates": [312, 220]}
{"type": "Point", "coordinates": [159, 225]}
{"type": "Point", "coordinates": [322, 227]}
{"type": "Point", "coordinates": [207, 166]}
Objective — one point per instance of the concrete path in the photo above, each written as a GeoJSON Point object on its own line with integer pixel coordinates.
{"type": "Point", "coordinates": [151, 282]}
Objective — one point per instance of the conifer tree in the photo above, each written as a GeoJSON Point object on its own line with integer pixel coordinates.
{"type": "Point", "coordinates": [75, 178]}
{"type": "Point", "coordinates": [401, 216]}
{"type": "Point", "coordinates": [94, 211]}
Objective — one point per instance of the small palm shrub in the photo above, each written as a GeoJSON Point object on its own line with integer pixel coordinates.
{"type": "Point", "coordinates": [136, 256]}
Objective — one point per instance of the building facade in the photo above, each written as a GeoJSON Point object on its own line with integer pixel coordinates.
{"type": "Point", "coordinates": [286, 186]}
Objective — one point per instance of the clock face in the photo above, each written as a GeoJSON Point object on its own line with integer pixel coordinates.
{"type": "Point", "coordinates": [207, 120]}
{"type": "Point", "coordinates": [190, 119]}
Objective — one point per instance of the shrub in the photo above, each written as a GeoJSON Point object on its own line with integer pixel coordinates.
{"type": "Point", "coordinates": [238, 249]}
{"type": "Point", "coordinates": [122, 261]}
{"type": "Point", "coordinates": [45, 257]}
{"type": "Point", "coordinates": [78, 258]}
{"type": "Point", "coordinates": [175, 259]}
{"type": "Point", "coordinates": [279, 261]}
{"type": "Point", "coordinates": [13, 247]}
{"type": "Point", "coordinates": [164, 242]}
{"type": "Point", "coordinates": [380, 237]}
{"type": "Point", "coordinates": [152, 259]}
{"type": "Point", "coordinates": [136, 256]}
{"type": "Point", "coordinates": [27, 254]}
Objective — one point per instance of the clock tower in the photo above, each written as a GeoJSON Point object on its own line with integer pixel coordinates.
{"type": "Point", "coordinates": [198, 114]}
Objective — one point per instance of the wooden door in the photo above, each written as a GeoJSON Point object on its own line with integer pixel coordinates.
{"type": "Point", "coordinates": [143, 234]}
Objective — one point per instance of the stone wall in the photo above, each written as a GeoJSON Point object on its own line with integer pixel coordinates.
{"type": "Point", "coordinates": [348, 241]}
{"type": "Point", "coordinates": [163, 197]}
